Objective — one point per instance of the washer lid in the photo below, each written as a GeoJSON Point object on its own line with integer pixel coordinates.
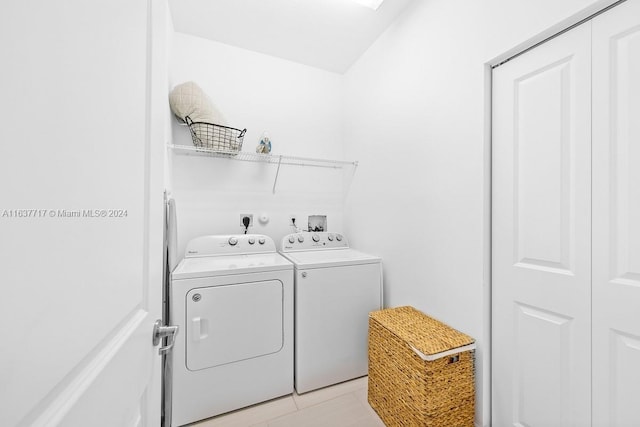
{"type": "Point", "coordinates": [330, 258]}
{"type": "Point", "coordinates": [191, 268]}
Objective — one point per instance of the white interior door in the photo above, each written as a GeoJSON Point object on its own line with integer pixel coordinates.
{"type": "Point", "coordinates": [616, 217]}
{"type": "Point", "coordinates": [542, 235]}
{"type": "Point", "coordinates": [80, 214]}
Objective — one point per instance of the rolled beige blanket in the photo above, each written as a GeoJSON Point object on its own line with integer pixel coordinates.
{"type": "Point", "coordinates": [188, 99]}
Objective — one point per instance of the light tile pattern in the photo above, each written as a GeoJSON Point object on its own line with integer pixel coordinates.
{"type": "Point", "coordinates": [341, 405]}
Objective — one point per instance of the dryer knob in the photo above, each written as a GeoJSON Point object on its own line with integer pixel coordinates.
{"type": "Point", "coordinates": [291, 239]}
{"type": "Point", "coordinates": [316, 238]}
{"type": "Point", "coordinates": [252, 240]}
{"type": "Point", "coordinates": [261, 240]}
{"type": "Point", "coordinates": [233, 241]}
{"type": "Point", "coordinates": [330, 237]}
{"type": "Point", "coordinates": [300, 239]}
{"type": "Point", "coordinates": [338, 238]}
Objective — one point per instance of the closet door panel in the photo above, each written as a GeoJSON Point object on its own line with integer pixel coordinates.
{"type": "Point", "coordinates": [616, 216]}
{"type": "Point", "coordinates": [541, 235]}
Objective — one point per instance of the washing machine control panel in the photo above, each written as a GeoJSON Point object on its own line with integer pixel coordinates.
{"type": "Point", "coordinates": [229, 245]}
{"type": "Point", "coordinates": [306, 241]}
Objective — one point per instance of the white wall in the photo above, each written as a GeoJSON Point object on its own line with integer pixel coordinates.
{"type": "Point", "coordinates": [415, 116]}
{"type": "Point", "coordinates": [299, 106]}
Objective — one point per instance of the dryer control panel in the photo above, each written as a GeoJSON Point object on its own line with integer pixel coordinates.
{"type": "Point", "coordinates": [234, 244]}
{"type": "Point", "coordinates": [309, 241]}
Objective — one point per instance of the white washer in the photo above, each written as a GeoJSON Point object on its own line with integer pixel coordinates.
{"type": "Point", "coordinates": [336, 288]}
{"type": "Point", "coordinates": [232, 297]}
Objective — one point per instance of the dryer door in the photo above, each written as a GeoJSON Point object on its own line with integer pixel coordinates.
{"type": "Point", "coordinates": [230, 323]}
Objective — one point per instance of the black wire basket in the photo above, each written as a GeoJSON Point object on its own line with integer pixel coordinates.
{"type": "Point", "coordinates": [212, 137]}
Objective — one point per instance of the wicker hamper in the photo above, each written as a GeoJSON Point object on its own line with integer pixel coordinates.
{"type": "Point", "coordinates": [421, 371]}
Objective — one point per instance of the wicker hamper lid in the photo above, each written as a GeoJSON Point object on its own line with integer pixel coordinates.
{"type": "Point", "coordinates": [429, 338]}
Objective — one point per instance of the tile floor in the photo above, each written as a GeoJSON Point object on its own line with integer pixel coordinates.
{"type": "Point", "coordinates": [341, 405]}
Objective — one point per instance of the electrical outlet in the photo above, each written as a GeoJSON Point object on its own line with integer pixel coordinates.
{"type": "Point", "coordinates": [293, 221]}
{"type": "Point", "coordinates": [242, 216]}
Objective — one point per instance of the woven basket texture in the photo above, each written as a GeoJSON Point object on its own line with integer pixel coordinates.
{"type": "Point", "coordinates": [406, 390]}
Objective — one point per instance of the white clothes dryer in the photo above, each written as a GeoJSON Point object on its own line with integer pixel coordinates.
{"type": "Point", "coordinates": [232, 298]}
{"type": "Point", "coordinates": [336, 288]}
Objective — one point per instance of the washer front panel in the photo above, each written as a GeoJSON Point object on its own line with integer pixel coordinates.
{"type": "Point", "coordinates": [331, 318]}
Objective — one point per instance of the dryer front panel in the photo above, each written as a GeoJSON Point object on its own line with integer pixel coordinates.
{"type": "Point", "coordinates": [227, 324]}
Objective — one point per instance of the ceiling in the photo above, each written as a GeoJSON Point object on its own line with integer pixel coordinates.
{"type": "Point", "coordinates": [327, 34]}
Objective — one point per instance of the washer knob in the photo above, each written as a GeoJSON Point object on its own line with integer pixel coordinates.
{"type": "Point", "coordinates": [300, 239]}
{"type": "Point", "coordinates": [252, 240]}
{"type": "Point", "coordinates": [261, 240]}
{"type": "Point", "coordinates": [330, 237]}
{"type": "Point", "coordinates": [315, 238]}
{"type": "Point", "coordinates": [338, 238]}
{"type": "Point", "coordinates": [291, 239]}
{"type": "Point", "coordinates": [233, 241]}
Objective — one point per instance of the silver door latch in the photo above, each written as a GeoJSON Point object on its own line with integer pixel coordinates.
{"type": "Point", "coordinates": [160, 332]}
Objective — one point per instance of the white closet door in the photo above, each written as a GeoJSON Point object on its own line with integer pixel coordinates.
{"type": "Point", "coordinates": [616, 217]}
{"type": "Point", "coordinates": [542, 235]}
{"type": "Point", "coordinates": [83, 109]}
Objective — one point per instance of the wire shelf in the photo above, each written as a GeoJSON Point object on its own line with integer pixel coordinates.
{"type": "Point", "coordinates": [261, 158]}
